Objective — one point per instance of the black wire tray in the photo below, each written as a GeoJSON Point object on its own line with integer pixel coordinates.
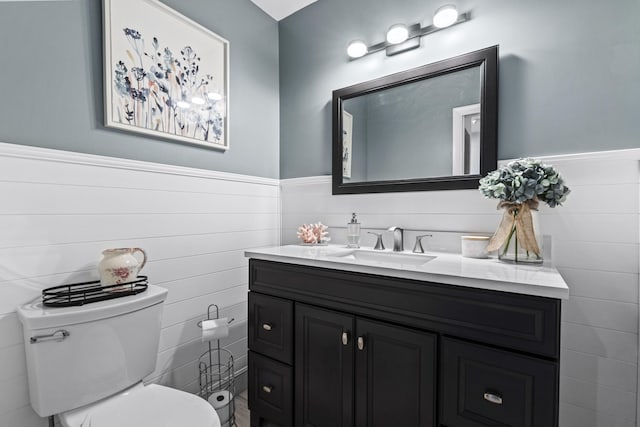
{"type": "Point", "coordinates": [77, 294]}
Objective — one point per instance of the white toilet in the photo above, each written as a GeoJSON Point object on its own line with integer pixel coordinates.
{"type": "Point", "coordinates": [86, 364]}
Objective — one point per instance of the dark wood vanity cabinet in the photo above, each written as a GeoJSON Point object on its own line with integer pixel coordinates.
{"type": "Point", "coordinates": [332, 348]}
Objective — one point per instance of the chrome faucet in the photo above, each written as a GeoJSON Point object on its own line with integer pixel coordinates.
{"type": "Point", "coordinates": [398, 238]}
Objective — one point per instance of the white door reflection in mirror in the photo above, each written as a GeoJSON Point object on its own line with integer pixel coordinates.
{"type": "Point", "coordinates": [466, 140]}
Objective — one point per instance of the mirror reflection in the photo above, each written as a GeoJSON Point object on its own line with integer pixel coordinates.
{"type": "Point", "coordinates": [432, 127]}
{"type": "Point", "coordinates": [427, 128]}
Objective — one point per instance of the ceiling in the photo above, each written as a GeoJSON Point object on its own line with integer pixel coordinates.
{"type": "Point", "coordinates": [280, 9]}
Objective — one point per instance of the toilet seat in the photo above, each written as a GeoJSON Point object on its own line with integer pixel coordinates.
{"type": "Point", "coordinates": [145, 406]}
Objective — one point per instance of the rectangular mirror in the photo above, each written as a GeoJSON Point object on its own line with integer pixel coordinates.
{"type": "Point", "coordinates": [430, 128]}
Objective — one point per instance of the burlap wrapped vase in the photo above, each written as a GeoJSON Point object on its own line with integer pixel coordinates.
{"type": "Point", "coordinates": [518, 238]}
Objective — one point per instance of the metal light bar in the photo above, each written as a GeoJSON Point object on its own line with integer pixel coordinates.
{"type": "Point", "coordinates": [413, 41]}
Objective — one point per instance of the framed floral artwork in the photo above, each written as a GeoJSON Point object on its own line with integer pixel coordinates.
{"type": "Point", "coordinates": [165, 75]}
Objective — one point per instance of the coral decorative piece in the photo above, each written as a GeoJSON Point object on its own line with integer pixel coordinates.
{"type": "Point", "coordinates": [313, 234]}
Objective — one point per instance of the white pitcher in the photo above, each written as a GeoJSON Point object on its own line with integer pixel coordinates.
{"type": "Point", "coordinates": [120, 265]}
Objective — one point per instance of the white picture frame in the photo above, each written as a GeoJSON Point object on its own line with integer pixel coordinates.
{"type": "Point", "coordinates": [164, 74]}
{"type": "Point", "coordinates": [347, 143]}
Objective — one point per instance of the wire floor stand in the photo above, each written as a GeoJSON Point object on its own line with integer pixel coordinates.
{"type": "Point", "coordinates": [217, 376]}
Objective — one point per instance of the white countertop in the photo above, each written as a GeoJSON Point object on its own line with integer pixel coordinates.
{"type": "Point", "coordinates": [447, 268]}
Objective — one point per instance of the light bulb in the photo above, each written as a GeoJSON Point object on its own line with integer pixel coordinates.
{"type": "Point", "coordinates": [356, 49]}
{"type": "Point", "coordinates": [445, 16]}
{"type": "Point", "coordinates": [214, 96]}
{"type": "Point", "coordinates": [397, 34]}
{"type": "Point", "coordinates": [183, 104]}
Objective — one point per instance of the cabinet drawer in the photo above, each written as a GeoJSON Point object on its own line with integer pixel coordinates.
{"type": "Point", "coordinates": [271, 326]}
{"type": "Point", "coordinates": [484, 387]}
{"type": "Point", "coordinates": [270, 391]}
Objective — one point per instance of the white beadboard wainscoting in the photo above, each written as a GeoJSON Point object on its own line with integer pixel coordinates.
{"type": "Point", "coordinates": [59, 210]}
{"type": "Point", "coordinates": [594, 244]}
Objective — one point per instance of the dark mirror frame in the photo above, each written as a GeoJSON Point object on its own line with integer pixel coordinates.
{"type": "Point", "coordinates": [487, 59]}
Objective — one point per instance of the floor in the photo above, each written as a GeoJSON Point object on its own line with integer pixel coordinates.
{"type": "Point", "coordinates": [242, 410]}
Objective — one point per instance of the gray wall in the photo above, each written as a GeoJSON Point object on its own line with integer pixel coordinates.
{"type": "Point", "coordinates": [51, 84]}
{"type": "Point", "coordinates": [411, 127]}
{"type": "Point", "coordinates": [568, 70]}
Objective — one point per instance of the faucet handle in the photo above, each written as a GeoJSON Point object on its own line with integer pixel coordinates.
{"type": "Point", "coordinates": [417, 248]}
{"type": "Point", "coordinates": [379, 245]}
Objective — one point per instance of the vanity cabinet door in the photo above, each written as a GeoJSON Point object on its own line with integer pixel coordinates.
{"type": "Point", "coordinates": [395, 376]}
{"type": "Point", "coordinates": [323, 367]}
{"type": "Point", "coordinates": [486, 387]}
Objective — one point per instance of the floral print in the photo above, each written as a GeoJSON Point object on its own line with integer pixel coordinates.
{"type": "Point", "coordinates": [159, 90]}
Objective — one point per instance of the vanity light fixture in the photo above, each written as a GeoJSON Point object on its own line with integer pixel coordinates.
{"type": "Point", "coordinates": [445, 16]}
{"type": "Point", "coordinates": [357, 48]}
{"type": "Point", "coordinates": [397, 34]}
{"type": "Point", "coordinates": [401, 38]}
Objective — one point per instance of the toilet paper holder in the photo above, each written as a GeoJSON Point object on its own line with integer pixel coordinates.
{"type": "Point", "coordinates": [216, 370]}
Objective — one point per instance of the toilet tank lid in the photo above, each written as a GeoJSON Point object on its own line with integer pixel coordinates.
{"type": "Point", "coordinates": [34, 315]}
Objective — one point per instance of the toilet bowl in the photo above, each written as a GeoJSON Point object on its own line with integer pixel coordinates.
{"type": "Point", "coordinates": [86, 365]}
{"type": "Point", "coordinates": [144, 406]}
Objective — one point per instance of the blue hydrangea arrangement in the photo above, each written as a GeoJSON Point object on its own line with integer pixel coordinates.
{"type": "Point", "coordinates": [520, 186]}
{"type": "Point", "coordinates": [523, 180]}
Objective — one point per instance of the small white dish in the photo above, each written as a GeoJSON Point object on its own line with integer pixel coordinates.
{"type": "Point", "coordinates": [474, 246]}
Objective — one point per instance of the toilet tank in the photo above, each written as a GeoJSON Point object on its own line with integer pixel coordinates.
{"type": "Point", "coordinates": [110, 346]}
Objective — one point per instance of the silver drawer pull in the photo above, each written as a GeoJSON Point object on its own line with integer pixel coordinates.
{"type": "Point", "coordinates": [267, 326]}
{"type": "Point", "coordinates": [345, 338]}
{"type": "Point", "coordinates": [58, 335]}
{"type": "Point", "coordinates": [361, 343]}
{"type": "Point", "coordinates": [267, 388]}
{"type": "Point", "coordinates": [493, 398]}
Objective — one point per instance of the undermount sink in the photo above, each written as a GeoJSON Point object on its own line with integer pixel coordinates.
{"type": "Point", "coordinates": [384, 257]}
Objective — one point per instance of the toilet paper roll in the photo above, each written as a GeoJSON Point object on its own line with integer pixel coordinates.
{"type": "Point", "coordinates": [221, 402]}
{"type": "Point", "coordinates": [215, 329]}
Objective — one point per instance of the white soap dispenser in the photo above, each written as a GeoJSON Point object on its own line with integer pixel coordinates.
{"type": "Point", "coordinates": [353, 232]}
